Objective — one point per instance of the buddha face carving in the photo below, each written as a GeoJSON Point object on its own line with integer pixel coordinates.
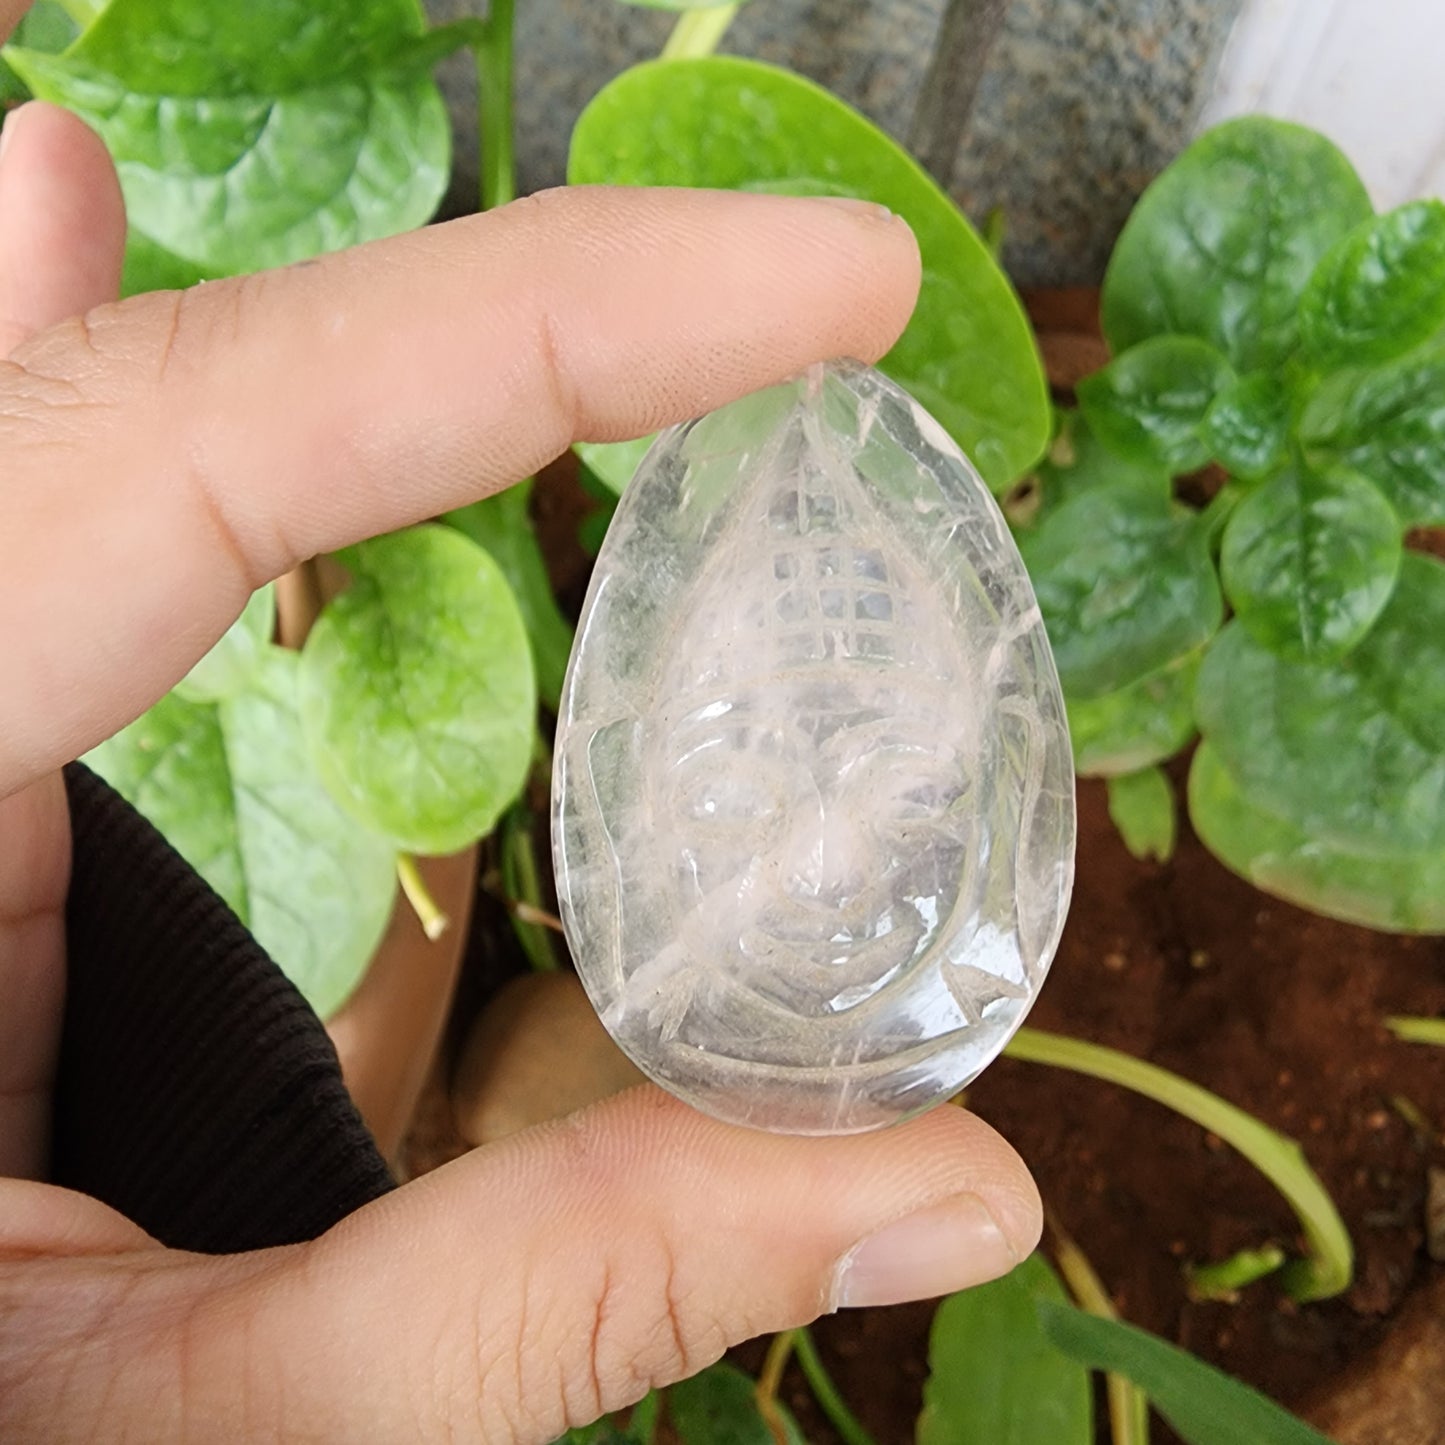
{"type": "Point", "coordinates": [813, 806]}
{"type": "Point", "coordinates": [808, 778]}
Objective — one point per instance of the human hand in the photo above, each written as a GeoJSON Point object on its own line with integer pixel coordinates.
{"type": "Point", "coordinates": [163, 457]}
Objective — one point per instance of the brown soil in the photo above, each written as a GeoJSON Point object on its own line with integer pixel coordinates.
{"type": "Point", "coordinates": [1185, 965]}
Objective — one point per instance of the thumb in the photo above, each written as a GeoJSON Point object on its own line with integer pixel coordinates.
{"type": "Point", "coordinates": [560, 1274]}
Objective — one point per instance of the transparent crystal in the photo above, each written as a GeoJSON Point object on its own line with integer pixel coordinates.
{"type": "Point", "coordinates": [813, 807]}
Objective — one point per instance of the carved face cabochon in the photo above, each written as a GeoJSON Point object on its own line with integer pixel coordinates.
{"type": "Point", "coordinates": [813, 806]}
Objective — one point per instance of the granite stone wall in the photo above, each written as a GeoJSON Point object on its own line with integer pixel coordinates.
{"type": "Point", "coordinates": [1081, 103]}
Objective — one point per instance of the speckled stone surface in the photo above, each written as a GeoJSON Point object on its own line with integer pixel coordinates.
{"type": "Point", "coordinates": [1082, 103]}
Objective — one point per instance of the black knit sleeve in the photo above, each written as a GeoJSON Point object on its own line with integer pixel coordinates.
{"type": "Point", "coordinates": [197, 1092]}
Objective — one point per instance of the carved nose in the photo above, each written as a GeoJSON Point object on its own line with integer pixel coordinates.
{"type": "Point", "coordinates": [826, 858]}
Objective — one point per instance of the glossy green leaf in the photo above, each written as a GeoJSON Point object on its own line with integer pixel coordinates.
{"type": "Point", "coordinates": [614, 462]}
{"type": "Point", "coordinates": [1310, 559]}
{"type": "Point", "coordinates": [229, 666]}
{"type": "Point", "coordinates": [256, 135]}
{"type": "Point", "coordinates": [1402, 893]}
{"type": "Point", "coordinates": [1139, 725]}
{"type": "Point", "coordinates": [503, 525]}
{"type": "Point", "coordinates": [1380, 291]}
{"type": "Point", "coordinates": [1247, 429]}
{"type": "Point", "coordinates": [1204, 1406]}
{"type": "Point", "coordinates": [720, 1407]}
{"type": "Point", "coordinates": [1077, 461]}
{"type": "Point", "coordinates": [994, 1378]}
{"type": "Point", "coordinates": [1141, 805]}
{"type": "Point", "coordinates": [418, 692]}
{"type": "Point", "coordinates": [44, 27]}
{"type": "Point", "coordinates": [1351, 752]}
{"type": "Point", "coordinates": [232, 787]}
{"type": "Point", "coordinates": [968, 354]}
{"type": "Point", "coordinates": [1126, 584]}
{"type": "Point", "coordinates": [1223, 243]}
{"type": "Point", "coordinates": [1388, 424]}
{"type": "Point", "coordinates": [1150, 403]}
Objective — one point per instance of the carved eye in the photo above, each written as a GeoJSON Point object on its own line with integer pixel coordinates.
{"type": "Point", "coordinates": [731, 797]}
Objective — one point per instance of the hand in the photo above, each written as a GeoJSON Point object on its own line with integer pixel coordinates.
{"type": "Point", "coordinates": [164, 456]}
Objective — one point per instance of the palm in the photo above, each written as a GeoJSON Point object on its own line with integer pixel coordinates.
{"type": "Point", "coordinates": [61, 233]}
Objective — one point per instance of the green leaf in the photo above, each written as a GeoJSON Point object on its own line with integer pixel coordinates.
{"type": "Point", "coordinates": [1150, 403]}
{"type": "Point", "coordinates": [1204, 1406]}
{"type": "Point", "coordinates": [614, 462]}
{"type": "Point", "coordinates": [44, 27]}
{"type": "Point", "coordinates": [503, 525]}
{"type": "Point", "coordinates": [968, 354]}
{"type": "Point", "coordinates": [1126, 585]}
{"type": "Point", "coordinates": [1403, 893]}
{"type": "Point", "coordinates": [1247, 428]}
{"type": "Point", "coordinates": [720, 1407]}
{"type": "Point", "coordinates": [994, 1378]}
{"type": "Point", "coordinates": [1310, 559]}
{"type": "Point", "coordinates": [255, 136]}
{"type": "Point", "coordinates": [1142, 807]}
{"type": "Point", "coordinates": [229, 666]}
{"type": "Point", "coordinates": [1223, 243]}
{"type": "Point", "coordinates": [1351, 752]}
{"type": "Point", "coordinates": [1137, 726]}
{"type": "Point", "coordinates": [418, 693]}
{"type": "Point", "coordinates": [1388, 424]}
{"type": "Point", "coordinates": [232, 787]}
{"type": "Point", "coordinates": [1380, 291]}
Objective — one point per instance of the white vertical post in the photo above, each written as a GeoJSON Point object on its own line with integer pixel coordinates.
{"type": "Point", "coordinates": [1370, 74]}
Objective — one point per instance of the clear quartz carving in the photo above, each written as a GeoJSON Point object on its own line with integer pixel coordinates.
{"type": "Point", "coordinates": [813, 805]}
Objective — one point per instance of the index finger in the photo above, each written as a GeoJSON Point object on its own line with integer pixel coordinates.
{"type": "Point", "coordinates": [165, 456]}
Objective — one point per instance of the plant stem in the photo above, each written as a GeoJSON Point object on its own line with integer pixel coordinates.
{"type": "Point", "coordinates": [433, 921]}
{"type": "Point", "coordinates": [966, 37]}
{"type": "Point", "coordinates": [494, 106]}
{"type": "Point", "coordinates": [698, 32]}
{"type": "Point", "coordinates": [1224, 1279]}
{"type": "Point", "coordinates": [825, 1392]}
{"type": "Point", "coordinates": [1330, 1262]}
{"type": "Point", "coordinates": [1417, 1030]}
{"type": "Point", "coordinates": [522, 884]}
{"type": "Point", "coordinates": [83, 12]}
{"type": "Point", "coordinates": [1128, 1404]}
{"type": "Point", "coordinates": [769, 1380]}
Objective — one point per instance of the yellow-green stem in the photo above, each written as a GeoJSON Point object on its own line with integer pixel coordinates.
{"type": "Point", "coordinates": [698, 32]}
{"type": "Point", "coordinates": [1417, 1030]}
{"type": "Point", "coordinates": [770, 1379]}
{"type": "Point", "coordinates": [1128, 1404]}
{"type": "Point", "coordinates": [522, 885]}
{"type": "Point", "coordinates": [494, 107]}
{"type": "Point", "coordinates": [825, 1392]}
{"type": "Point", "coordinates": [433, 921]}
{"type": "Point", "coordinates": [1330, 1263]}
{"type": "Point", "coordinates": [1224, 1279]}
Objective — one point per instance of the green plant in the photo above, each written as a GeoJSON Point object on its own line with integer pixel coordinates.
{"type": "Point", "coordinates": [1302, 355]}
{"type": "Point", "coordinates": [1264, 319]}
{"type": "Point", "coordinates": [409, 723]}
{"type": "Point", "coordinates": [1010, 1363]}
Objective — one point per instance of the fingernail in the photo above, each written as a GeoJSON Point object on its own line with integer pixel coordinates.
{"type": "Point", "coordinates": [870, 210]}
{"type": "Point", "coordinates": [946, 1247]}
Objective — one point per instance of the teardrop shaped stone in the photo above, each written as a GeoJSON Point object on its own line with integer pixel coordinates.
{"type": "Point", "coordinates": [813, 804]}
